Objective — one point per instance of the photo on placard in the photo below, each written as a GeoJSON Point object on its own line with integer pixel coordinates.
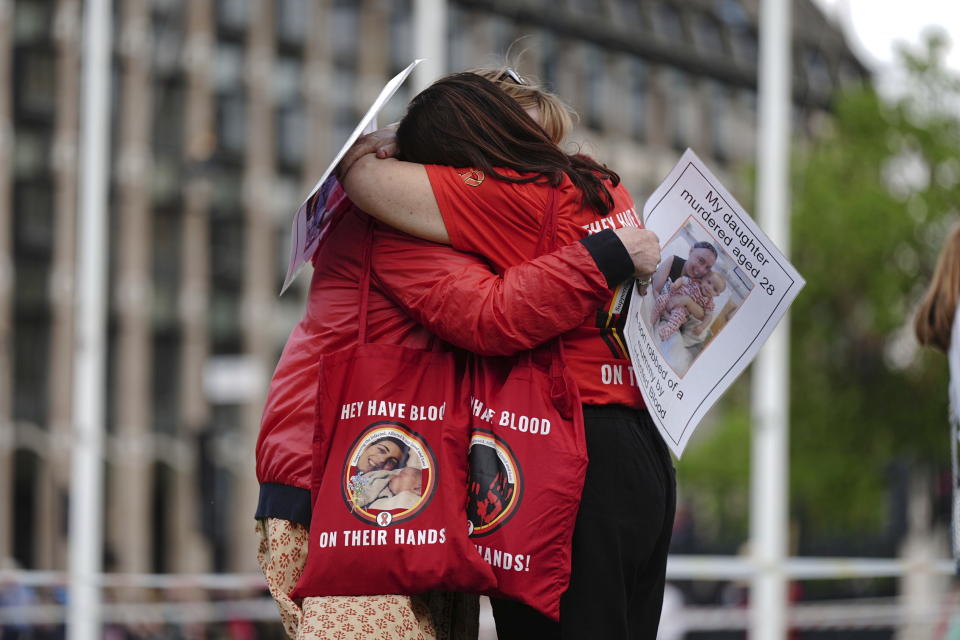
{"type": "Point", "coordinates": [704, 289]}
{"type": "Point", "coordinates": [389, 475]}
{"type": "Point", "coordinates": [317, 208]}
{"type": "Point", "coordinates": [495, 483]}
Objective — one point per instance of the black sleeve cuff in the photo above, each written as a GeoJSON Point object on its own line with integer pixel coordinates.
{"type": "Point", "coordinates": [284, 502]}
{"type": "Point", "coordinates": [611, 256]}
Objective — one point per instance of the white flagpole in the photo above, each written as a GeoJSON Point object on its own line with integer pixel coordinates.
{"type": "Point", "coordinates": [430, 41]}
{"type": "Point", "coordinates": [86, 496]}
{"type": "Point", "coordinates": [769, 467]}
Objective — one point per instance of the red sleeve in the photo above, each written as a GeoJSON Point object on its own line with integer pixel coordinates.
{"type": "Point", "coordinates": [497, 219]}
{"type": "Point", "coordinates": [457, 296]}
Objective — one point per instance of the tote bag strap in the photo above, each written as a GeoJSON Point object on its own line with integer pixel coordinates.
{"type": "Point", "coordinates": [547, 241]}
{"type": "Point", "coordinates": [545, 244]}
{"type": "Point", "coordinates": [366, 268]}
{"type": "Point", "coordinates": [366, 257]}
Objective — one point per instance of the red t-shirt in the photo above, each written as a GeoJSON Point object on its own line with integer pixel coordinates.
{"type": "Point", "coordinates": [502, 221]}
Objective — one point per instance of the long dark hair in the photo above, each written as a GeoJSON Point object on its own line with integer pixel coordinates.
{"type": "Point", "coordinates": [465, 120]}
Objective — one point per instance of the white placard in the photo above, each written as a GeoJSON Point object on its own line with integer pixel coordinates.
{"type": "Point", "coordinates": [310, 223]}
{"type": "Point", "coordinates": [683, 365]}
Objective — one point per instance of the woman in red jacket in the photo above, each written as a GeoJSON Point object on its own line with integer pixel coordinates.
{"type": "Point", "coordinates": [478, 171]}
{"type": "Point", "coordinates": [419, 289]}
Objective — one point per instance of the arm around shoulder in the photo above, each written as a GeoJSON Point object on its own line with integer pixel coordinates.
{"type": "Point", "coordinates": [398, 194]}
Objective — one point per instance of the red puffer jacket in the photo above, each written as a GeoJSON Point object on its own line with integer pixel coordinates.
{"type": "Point", "coordinates": [418, 289]}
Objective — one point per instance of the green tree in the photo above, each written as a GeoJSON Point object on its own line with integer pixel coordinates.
{"type": "Point", "coordinates": [872, 198]}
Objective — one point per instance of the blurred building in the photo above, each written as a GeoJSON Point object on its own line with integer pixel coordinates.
{"type": "Point", "coordinates": [224, 113]}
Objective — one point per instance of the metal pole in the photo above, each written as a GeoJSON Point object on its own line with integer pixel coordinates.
{"type": "Point", "coordinates": [86, 499]}
{"type": "Point", "coordinates": [430, 41]}
{"type": "Point", "coordinates": [769, 453]}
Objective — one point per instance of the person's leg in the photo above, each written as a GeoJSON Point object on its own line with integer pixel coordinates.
{"type": "Point", "coordinates": [623, 511]}
{"type": "Point", "coordinates": [647, 597]}
{"type": "Point", "coordinates": [659, 306]}
{"type": "Point", "coordinates": [673, 322]}
{"type": "Point", "coordinates": [282, 555]}
{"type": "Point", "coordinates": [394, 617]}
{"type": "Point", "coordinates": [516, 621]}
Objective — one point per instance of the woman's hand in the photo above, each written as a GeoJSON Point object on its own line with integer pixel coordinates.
{"type": "Point", "coordinates": [644, 249]}
{"type": "Point", "coordinates": [382, 142]}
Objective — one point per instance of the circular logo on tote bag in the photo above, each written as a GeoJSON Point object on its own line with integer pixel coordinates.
{"type": "Point", "coordinates": [495, 485]}
{"type": "Point", "coordinates": [389, 475]}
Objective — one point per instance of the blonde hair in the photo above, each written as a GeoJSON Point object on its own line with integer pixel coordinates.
{"type": "Point", "coordinates": [934, 320]}
{"type": "Point", "coordinates": [556, 117]}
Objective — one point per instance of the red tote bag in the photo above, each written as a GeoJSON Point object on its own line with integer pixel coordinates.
{"type": "Point", "coordinates": [390, 472]}
{"type": "Point", "coordinates": [527, 465]}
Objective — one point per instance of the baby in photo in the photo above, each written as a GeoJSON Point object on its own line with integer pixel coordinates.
{"type": "Point", "coordinates": [401, 491]}
{"type": "Point", "coordinates": [685, 297]}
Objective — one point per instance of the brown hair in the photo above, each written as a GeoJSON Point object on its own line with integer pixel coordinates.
{"type": "Point", "coordinates": [556, 116]}
{"type": "Point", "coordinates": [934, 319]}
{"type": "Point", "coordinates": [465, 120]}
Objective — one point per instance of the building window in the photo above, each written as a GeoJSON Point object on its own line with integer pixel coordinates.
{"type": "Point", "coordinates": [401, 34]}
{"type": "Point", "coordinates": [226, 277]}
{"type": "Point", "coordinates": [345, 117]}
{"type": "Point", "coordinates": [36, 81]}
{"type": "Point", "coordinates": [593, 8]}
{"type": "Point", "coordinates": [228, 67]}
{"type": "Point", "coordinates": [33, 221]}
{"type": "Point", "coordinates": [731, 12]}
{"type": "Point", "coordinates": [746, 127]}
{"type": "Point", "coordinates": [168, 108]}
{"type": "Point", "coordinates": [227, 193]}
{"type": "Point", "coordinates": [344, 33]}
{"type": "Point", "coordinates": [233, 15]}
{"type": "Point", "coordinates": [166, 362]}
{"type": "Point", "coordinates": [709, 37]}
{"type": "Point", "coordinates": [549, 60]}
{"type": "Point", "coordinates": [30, 293]}
{"type": "Point", "coordinates": [162, 513]}
{"type": "Point", "coordinates": [640, 99]}
{"type": "Point", "coordinates": [817, 71]}
{"type": "Point", "coordinates": [291, 134]}
{"type": "Point", "coordinates": [167, 41]}
{"type": "Point", "coordinates": [31, 153]}
{"type": "Point", "coordinates": [720, 121]}
{"type": "Point", "coordinates": [166, 236]}
{"type": "Point", "coordinates": [594, 70]}
{"type": "Point", "coordinates": [226, 252]}
{"type": "Point", "coordinates": [293, 17]}
{"type": "Point", "coordinates": [30, 346]}
{"type": "Point", "coordinates": [503, 36]}
{"type": "Point", "coordinates": [25, 498]}
{"type": "Point", "coordinates": [745, 47]}
{"type": "Point", "coordinates": [684, 127]}
{"type": "Point", "coordinates": [165, 180]}
{"type": "Point", "coordinates": [286, 75]}
{"type": "Point", "coordinates": [224, 321]}
{"type": "Point", "coordinates": [631, 15]}
{"type": "Point", "coordinates": [669, 26]}
{"type": "Point", "coordinates": [232, 123]}
{"type": "Point", "coordinates": [32, 20]}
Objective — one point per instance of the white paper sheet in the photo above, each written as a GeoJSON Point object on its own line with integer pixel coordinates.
{"type": "Point", "coordinates": [682, 372]}
{"type": "Point", "coordinates": [310, 222]}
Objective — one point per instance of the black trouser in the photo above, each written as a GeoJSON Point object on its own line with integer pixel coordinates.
{"type": "Point", "coordinates": [621, 538]}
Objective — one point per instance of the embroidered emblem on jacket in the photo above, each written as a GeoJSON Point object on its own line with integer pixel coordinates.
{"type": "Point", "coordinates": [472, 177]}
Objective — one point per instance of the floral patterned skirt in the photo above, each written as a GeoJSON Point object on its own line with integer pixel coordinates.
{"type": "Point", "coordinates": [282, 555]}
